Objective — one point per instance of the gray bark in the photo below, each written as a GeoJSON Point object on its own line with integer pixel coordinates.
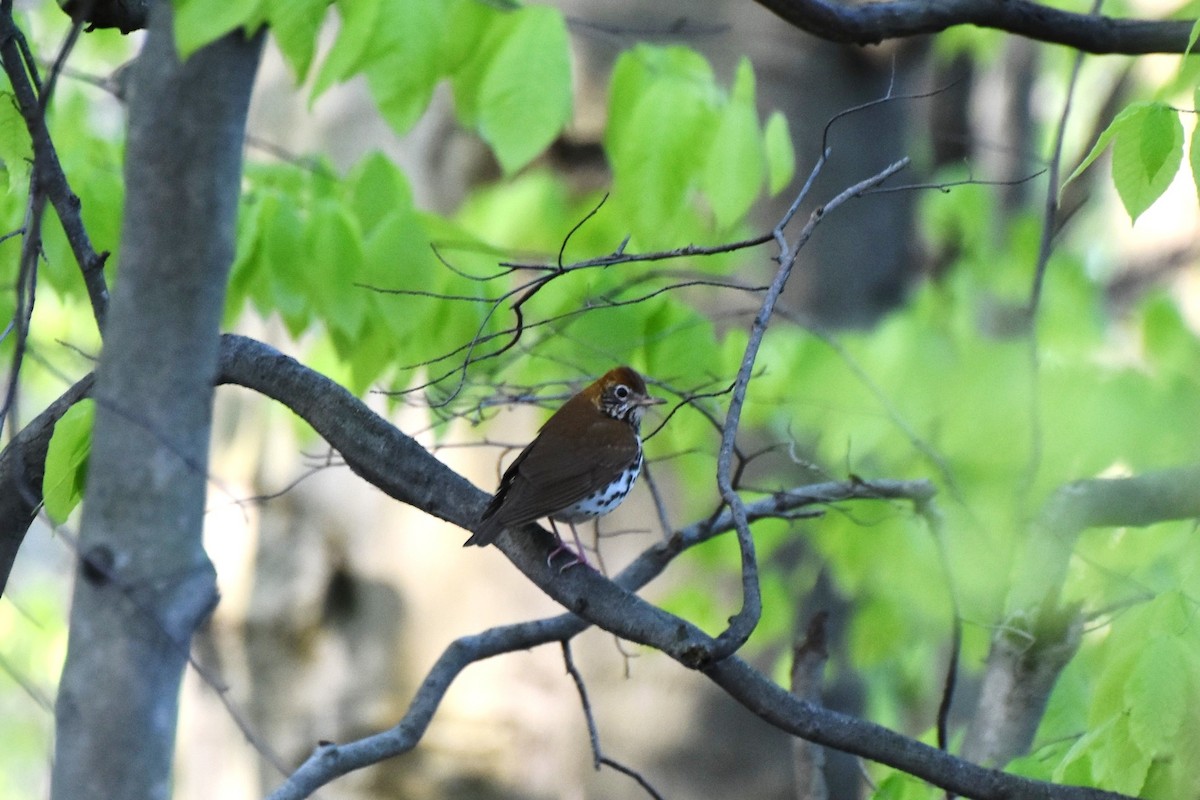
{"type": "Point", "coordinates": [144, 582]}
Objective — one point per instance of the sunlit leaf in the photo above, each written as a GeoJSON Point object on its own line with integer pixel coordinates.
{"type": "Point", "coordinates": [360, 21]}
{"type": "Point", "coordinates": [1147, 152]}
{"type": "Point", "coordinates": [199, 22]}
{"type": "Point", "coordinates": [67, 460]}
{"type": "Point", "coordinates": [736, 165]}
{"type": "Point", "coordinates": [295, 24]}
{"type": "Point", "coordinates": [515, 89]}
{"type": "Point", "coordinates": [781, 157]}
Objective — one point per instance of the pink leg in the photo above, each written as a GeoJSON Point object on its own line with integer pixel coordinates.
{"type": "Point", "coordinates": [577, 556]}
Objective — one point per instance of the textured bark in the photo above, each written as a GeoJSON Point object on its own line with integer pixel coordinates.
{"type": "Point", "coordinates": [144, 582]}
{"type": "Point", "coordinates": [1022, 668]}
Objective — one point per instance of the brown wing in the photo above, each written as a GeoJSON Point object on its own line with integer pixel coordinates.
{"type": "Point", "coordinates": [543, 487]}
{"type": "Point", "coordinates": [560, 467]}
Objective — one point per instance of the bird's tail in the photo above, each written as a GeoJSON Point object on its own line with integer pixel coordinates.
{"type": "Point", "coordinates": [485, 534]}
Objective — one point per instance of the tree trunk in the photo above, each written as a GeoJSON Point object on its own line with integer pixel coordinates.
{"type": "Point", "coordinates": [144, 582]}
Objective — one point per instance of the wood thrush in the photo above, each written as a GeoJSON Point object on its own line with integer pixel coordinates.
{"type": "Point", "coordinates": [582, 463]}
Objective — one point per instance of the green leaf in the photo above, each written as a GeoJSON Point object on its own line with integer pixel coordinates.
{"type": "Point", "coordinates": [245, 276]}
{"type": "Point", "coordinates": [67, 460]}
{"type": "Point", "coordinates": [516, 88]}
{"type": "Point", "coordinates": [1147, 153]}
{"type": "Point", "coordinates": [781, 157]}
{"type": "Point", "coordinates": [295, 24]}
{"type": "Point", "coordinates": [1147, 150]}
{"type": "Point", "coordinates": [200, 22]}
{"type": "Point", "coordinates": [1120, 762]}
{"type": "Point", "coordinates": [397, 260]}
{"type": "Point", "coordinates": [467, 23]}
{"type": "Point", "coordinates": [1153, 692]}
{"type": "Point", "coordinates": [335, 265]}
{"type": "Point", "coordinates": [1102, 143]}
{"type": "Point", "coordinates": [406, 58]}
{"type": "Point", "coordinates": [1194, 148]}
{"type": "Point", "coordinates": [15, 150]}
{"type": "Point", "coordinates": [899, 786]}
{"type": "Point", "coordinates": [1143, 735]}
{"type": "Point", "coordinates": [1076, 765]}
{"type": "Point", "coordinates": [284, 258]}
{"type": "Point", "coordinates": [378, 189]}
{"type": "Point", "coordinates": [360, 20]}
{"type": "Point", "coordinates": [736, 164]}
{"type": "Point", "coordinates": [1192, 36]}
{"type": "Point", "coordinates": [664, 107]}
{"type": "Point", "coordinates": [1168, 341]}
{"type": "Point", "coordinates": [1128, 119]}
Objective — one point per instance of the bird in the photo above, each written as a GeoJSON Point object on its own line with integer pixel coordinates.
{"type": "Point", "coordinates": [581, 465]}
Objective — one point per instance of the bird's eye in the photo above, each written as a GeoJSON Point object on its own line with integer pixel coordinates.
{"type": "Point", "coordinates": [622, 392]}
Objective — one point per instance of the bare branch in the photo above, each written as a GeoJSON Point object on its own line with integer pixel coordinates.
{"type": "Point", "coordinates": [872, 23]}
{"type": "Point", "coordinates": [598, 757]}
{"type": "Point", "coordinates": [330, 760]}
{"type": "Point", "coordinates": [48, 175]}
{"type": "Point", "coordinates": [742, 624]}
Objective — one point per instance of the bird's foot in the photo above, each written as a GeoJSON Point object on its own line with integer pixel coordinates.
{"type": "Point", "coordinates": [572, 558]}
{"type": "Point", "coordinates": [577, 556]}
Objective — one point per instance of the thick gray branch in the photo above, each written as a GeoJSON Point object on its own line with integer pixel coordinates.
{"type": "Point", "coordinates": [872, 23]}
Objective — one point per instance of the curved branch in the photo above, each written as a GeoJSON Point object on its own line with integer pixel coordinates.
{"type": "Point", "coordinates": [872, 23]}
{"type": "Point", "coordinates": [22, 465]}
{"type": "Point", "coordinates": [742, 624]}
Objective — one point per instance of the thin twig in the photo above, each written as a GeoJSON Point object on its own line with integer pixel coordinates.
{"type": "Point", "coordinates": [742, 624]}
{"type": "Point", "coordinates": [47, 174]}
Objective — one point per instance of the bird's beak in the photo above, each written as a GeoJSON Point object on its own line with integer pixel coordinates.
{"type": "Point", "coordinates": [650, 401]}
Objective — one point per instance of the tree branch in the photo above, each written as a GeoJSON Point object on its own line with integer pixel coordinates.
{"type": "Point", "coordinates": [124, 15]}
{"type": "Point", "coordinates": [22, 466]}
{"type": "Point", "coordinates": [872, 23]}
{"type": "Point", "coordinates": [742, 624]}
{"type": "Point", "coordinates": [48, 176]}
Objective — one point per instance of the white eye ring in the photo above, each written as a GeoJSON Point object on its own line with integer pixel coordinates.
{"type": "Point", "coordinates": [622, 392]}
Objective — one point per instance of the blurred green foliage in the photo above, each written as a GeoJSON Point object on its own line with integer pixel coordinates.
{"type": "Point", "coordinates": [33, 643]}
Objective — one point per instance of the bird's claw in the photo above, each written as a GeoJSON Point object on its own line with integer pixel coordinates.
{"type": "Point", "coordinates": [575, 558]}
